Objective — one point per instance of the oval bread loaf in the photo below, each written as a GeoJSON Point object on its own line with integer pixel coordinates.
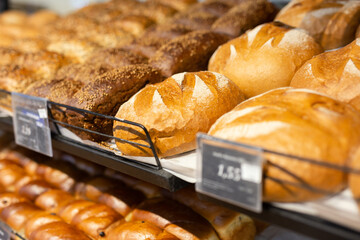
{"type": "Point", "coordinates": [298, 122]}
{"type": "Point", "coordinates": [264, 58]}
{"type": "Point", "coordinates": [174, 111]}
{"type": "Point", "coordinates": [334, 73]}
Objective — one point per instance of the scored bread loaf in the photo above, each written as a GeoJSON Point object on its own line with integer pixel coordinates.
{"type": "Point", "coordinates": [335, 73]}
{"type": "Point", "coordinates": [341, 28]}
{"type": "Point", "coordinates": [174, 111]}
{"type": "Point", "coordinates": [190, 52]}
{"type": "Point", "coordinates": [301, 123]}
{"type": "Point", "coordinates": [264, 58]}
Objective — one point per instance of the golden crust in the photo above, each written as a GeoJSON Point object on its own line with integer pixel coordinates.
{"type": "Point", "coordinates": [264, 58]}
{"type": "Point", "coordinates": [301, 123]}
{"type": "Point", "coordinates": [170, 112]}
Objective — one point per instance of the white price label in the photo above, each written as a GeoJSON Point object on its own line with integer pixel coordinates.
{"type": "Point", "coordinates": [229, 171]}
{"type": "Point", "coordinates": [31, 123]}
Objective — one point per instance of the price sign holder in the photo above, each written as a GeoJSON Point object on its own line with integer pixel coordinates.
{"type": "Point", "coordinates": [5, 231]}
{"type": "Point", "coordinates": [230, 172]}
{"type": "Point", "coordinates": [31, 123]}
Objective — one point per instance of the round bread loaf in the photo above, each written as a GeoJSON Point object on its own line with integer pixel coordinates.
{"type": "Point", "coordinates": [264, 58]}
{"type": "Point", "coordinates": [354, 179]}
{"type": "Point", "coordinates": [335, 73]}
{"type": "Point", "coordinates": [173, 112]}
{"type": "Point", "coordinates": [341, 28]}
{"type": "Point", "coordinates": [301, 123]}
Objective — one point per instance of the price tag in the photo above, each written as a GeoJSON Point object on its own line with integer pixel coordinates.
{"type": "Point", "coordinates": [31, 123]}
{"type": "Point", "coordinates": [230, 172]}
{"type": "Point", "coordinates": [5, 231]}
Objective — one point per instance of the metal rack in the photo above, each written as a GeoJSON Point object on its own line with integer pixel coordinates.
{"type": "Point", "coordinates": [154, 174]}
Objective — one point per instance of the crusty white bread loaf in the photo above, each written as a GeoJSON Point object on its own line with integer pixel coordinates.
{"type": "Point", "coordinates": [173, 112]}
{"type": "Point", "coordinates": [264, 58]}
{"type": "Point", "coordinates": [335, 73]}
{"type": "Point", "coordinates": [341, 28]}
{"type": "Point", "coordinates": [228, 224]}
{"type": "Point", "coordinates": [302, 123]}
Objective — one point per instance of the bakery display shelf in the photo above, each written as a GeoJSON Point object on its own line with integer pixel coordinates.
{"type": "Point", "coordinates": [302, 223]}
{"type": "Point", "coordinates": [94, 152]}
{"type": "Point", "coordinates": [335, 216]}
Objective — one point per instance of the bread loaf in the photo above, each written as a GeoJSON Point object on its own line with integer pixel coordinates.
{"type": "Point", "coordinates": [228, 224]}
{"type": "Point", "coordinates": [264, 58]}
{"type": "Point", "coordinates": [175, 218]}
{"type": "Point", "coordinates": [14, 78]}
{"type": "Point", "coordinates": [341, 28]}
{"type": "Point", "coordinates": [244, 16]}
{"type": "Point", "coordinates": [190, 52]}
{"type": "Point", "coordinates": [300, 123]}
{"type": "Point", "coordinates": [334, 73]}
{"type": "Point", "coordinates": [174, 111]}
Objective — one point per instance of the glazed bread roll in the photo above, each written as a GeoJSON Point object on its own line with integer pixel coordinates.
{"type": "Point", "coordinates": [68, 212]}
{"type": "Point", "coordinates": [341, 28]}
{"type": "Point", "coordinates": [245, 15]}
{"type": "Point", "coordinates": [58, 230]}
{"type": "Point", "coordinates": [301, 123]}
{"type": "Point", "coordinates": [228, 224]}
{"type": "Point", "coordinates": [334, 73]}
{"type": "Point", "coordinates": [190, 52]}
{"type": "Point", "coordinates": [174, 111]}
{"type": "Point", "coordinates": [175, 218]}
{"type": "Point", "coordinates": [8, 199]}
{"type": "Point", "coordinates": [9, 175]}
{"type": "Point", "coordinates": [34, 188]}
{"type": "Point", "coordinates": [53, 200]}
{"type": "Point", "coordinates": [39, 220]}
{"type": "Point", "coordinates": [137, 230]}
{"type": "Point", "coordinates": [264, 58]}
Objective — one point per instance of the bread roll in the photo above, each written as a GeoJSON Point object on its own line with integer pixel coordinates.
{"type": "Point", "coordinates": [197, 20]}
{"type": "Point", "coordinates": [244, 16]}
{"type": "Point", "coordinates": [174, 111]}
{"type": "Point", "coordinates": [108, 36]}
{"type": "Point", "coordinates": [264, 58]}
{"type": "Point", "coordinates": [34, 188]}
{"type": "Point", "coordinates": [101, 12]}
{"type": "Point", "coordinates": [179, 5]}
{"type": "Point", "coordinates": [9, 175]}
{"type": "Point", "coordinates": [41, 18]}
{"type": "Point", "coordinates": [334, 73]}
{"type": "Point", "coordinates": [122, 199]}
{"type": "Point", "coordinates": [17, 214]}
{"type": "Point", "coordinates": [157, 11]}
{"type": "Point", "coordinates": [175, 218]}
{"type": "Point", "coordinates": [300, 123]}
{"type": "Point", "coordinates": [23, 181]}
{"type": "Point", "coordinates": [341, 28]}
{"type": "Point", "coordinates": [6, 40]}
{"type": "Point", "coordinates": [53, 200]}
{"type": "Point", "coordinates": [92, 189]}
{"type": "Point", "coordinates": [13, 17]}
{"type": "Point", "coordinates": [14, 78]}
{"type": "Point", "coordinates": [190, 52]}
{"type": "Point", "coordinates": [8, 56]}
{"type": "Point", "coordinates": [39, 220]}
{"type": "Point", "coordinates": [8, 199]}
{"type": "Point", "coordinates": [69, 211]}
{"type": "Point", "coordinates": [29, 45]}
{"type": "Point", "coordinates": [137, 230]}
{"type": "Point", "coordinates": [93, 220]}
{"type": "Point", "coordinates": [134, 24]}
{"type": "Point", "coordinates": [228, 224]}
{"type": "Point", "coordinates": [57, 230]}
